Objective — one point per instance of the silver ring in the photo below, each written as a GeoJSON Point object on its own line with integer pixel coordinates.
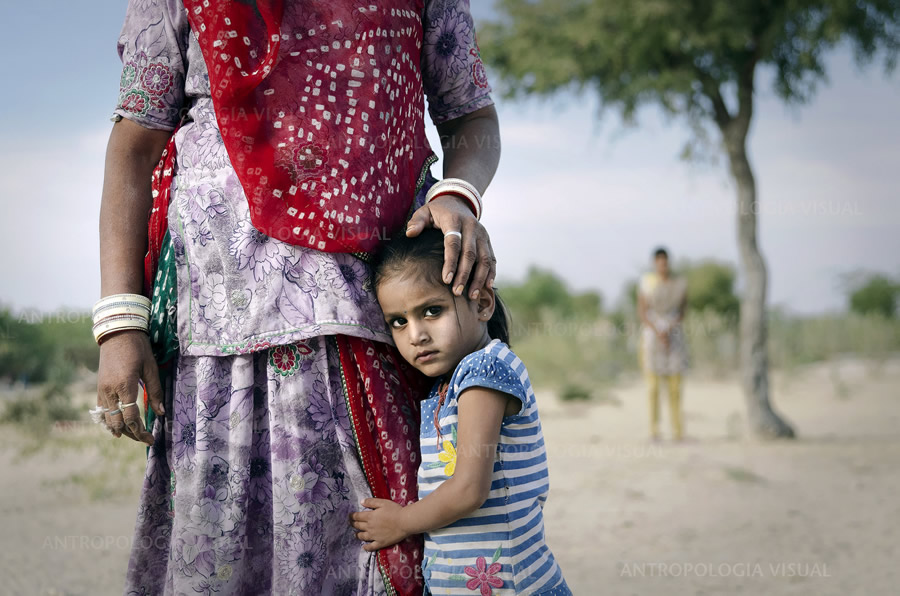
{"type": "Point", "coordinates": [453, 233]}
{"type": "Point", "coordinates": [114, 412]}
{"type": "Point", "coordinates": [122, 406]}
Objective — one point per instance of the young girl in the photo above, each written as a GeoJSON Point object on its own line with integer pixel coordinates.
{"type": "Point", "coordinates": [483, 477]}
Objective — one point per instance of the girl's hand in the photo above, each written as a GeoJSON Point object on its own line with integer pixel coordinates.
{"type": "Point", "coordinates": [381, 526]}
{"type": "Point", "coordinates": [125, 357]}
{"type": "Point", "coordinates": [450, 213]}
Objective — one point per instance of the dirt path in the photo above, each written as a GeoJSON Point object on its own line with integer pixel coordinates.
{"type": "Point", "coordinates": [718, 514]}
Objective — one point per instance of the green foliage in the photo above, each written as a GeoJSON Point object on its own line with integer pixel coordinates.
{"type": "Point", "coordinates": [52, 403]}
{"type": "Point", "coordinates": [877, 295]}
{"type": "Point", "coordinates": [32, 345]}
{"type": "Point", "coordinates": [711, 287]}
{"type": "Point", "coordinates": [45, 350]}
{"type": "Point", "coordinates": [581, 356]}
{"type": "Point", "coordinates": [544, 292]}
{"type": "Point", "coordinates": [688, 56]}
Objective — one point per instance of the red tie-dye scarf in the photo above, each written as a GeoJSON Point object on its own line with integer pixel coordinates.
{"type": "Point", "coordinates": [321, 109]}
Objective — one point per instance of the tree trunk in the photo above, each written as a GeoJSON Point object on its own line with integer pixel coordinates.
{"type": "Point", "coordinates": [754, 357]}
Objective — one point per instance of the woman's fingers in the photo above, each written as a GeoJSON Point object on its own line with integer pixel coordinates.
{"type": "Point", "coordinates": [420, 220]}
{"type": "Point", "coordinates": [114, 419]}
{"type": "Point", "coordinates": [452, 248]}
{"type": "Point", "coordinates": [154, 389]}
{"type": "Point", "coordinates": [484, 268]}
{"type": "Point", "coordinates": [463, 256]}
{"type": "Point", "coordinates": [131, 412]}
{"type": "Point", "coordinates": [469, 254]}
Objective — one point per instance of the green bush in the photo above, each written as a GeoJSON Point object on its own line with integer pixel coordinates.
{"type": "Point", "coordinates": [875, 296]}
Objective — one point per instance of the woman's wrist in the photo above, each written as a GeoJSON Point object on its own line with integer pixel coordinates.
{"type": "Point", "coordinates": [459, 188]}
{"type": "Point", "coordinates": [120, 312]}
{"type": "Point", "coordinates": [457, 200]}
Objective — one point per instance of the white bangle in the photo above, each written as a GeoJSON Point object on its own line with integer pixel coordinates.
{"type": "Point", "coordinates": [114, 323]}
{"type": "Point", "coordinates": [116, 300]}
{"type": "Point", "coordinates": [460, 187]}
{"type": "Point", "coordinates": [126, 309]}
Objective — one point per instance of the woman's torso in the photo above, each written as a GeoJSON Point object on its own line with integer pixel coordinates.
{"type": "Point", "coordinates": [664, 299]}
{"type": "Point", "coordinates": [240, 291]}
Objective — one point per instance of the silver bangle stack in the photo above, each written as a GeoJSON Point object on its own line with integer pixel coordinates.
{"type": "Point", "coordinates": [119, 312]}
{"type": "Point", "coordinates": [458, 187]}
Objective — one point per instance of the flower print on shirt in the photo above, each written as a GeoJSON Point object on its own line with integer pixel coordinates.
{"type": "Point", "coordinates": [212, 298]}
{"type": "Point", "coordinates": [348, 276]}
{"type": "Point", "coordinates": [257, 251]}
{"type": "Point", "coordinates": [446, 35]}
{"type": "Point", "coordinates": [302, 273]}
{"type": "Point", "coordinates": [202, 203]}
{"type": "Point", "coordinates": [205, 148]}
{"type": "Point", "coordinates": [148, 86]}
{"type": "Point", "coordinates": [484, 576]}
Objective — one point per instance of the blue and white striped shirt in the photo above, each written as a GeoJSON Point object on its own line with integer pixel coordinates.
{"type": "Point", "coordinates": [500, 548]}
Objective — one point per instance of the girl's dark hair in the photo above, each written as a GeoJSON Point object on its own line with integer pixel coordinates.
{"type": "Point", "coordinates": [423, 255]}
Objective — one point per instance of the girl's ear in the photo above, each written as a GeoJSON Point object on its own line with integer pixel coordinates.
{"type": "Point", "coordinates": [485, 304]}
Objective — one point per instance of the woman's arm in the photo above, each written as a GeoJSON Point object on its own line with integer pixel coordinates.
{"type": "Point", "coordinates": [471, 145]}
{"type": "Point", "coordinates": [131, 154]}
{"type": "Point", "coordinates": [480, 412]}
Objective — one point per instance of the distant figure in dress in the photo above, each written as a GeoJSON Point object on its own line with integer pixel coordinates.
{"type": "Point", "coordinates": [662, 301]}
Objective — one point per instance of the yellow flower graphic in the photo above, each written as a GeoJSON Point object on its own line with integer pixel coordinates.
{"type": "Point", "coordinates": [448, 456]}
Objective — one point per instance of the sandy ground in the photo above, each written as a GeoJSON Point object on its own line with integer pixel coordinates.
{"type": "Point", "coordinates": [718, 514]}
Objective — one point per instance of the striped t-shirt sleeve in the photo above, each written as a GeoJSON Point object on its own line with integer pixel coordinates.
{"type": "Point", "coordinates": [485, 369]}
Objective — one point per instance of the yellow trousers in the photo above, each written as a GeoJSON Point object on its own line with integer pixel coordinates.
{"type": "Point", "coordinates": [674, 386]}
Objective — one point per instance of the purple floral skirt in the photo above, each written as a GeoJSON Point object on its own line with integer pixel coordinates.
{"type": "Point", "coordinates": [251, 480]}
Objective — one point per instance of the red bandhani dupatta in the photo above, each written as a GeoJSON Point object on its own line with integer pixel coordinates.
{"type": "Point", "coordinates": [160, 185]}
{"type": "Point", "coordinates": [383, 393]}
{"type": "Point", "coordinates": [321, 108]}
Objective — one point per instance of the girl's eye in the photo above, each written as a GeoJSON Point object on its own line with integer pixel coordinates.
{"type": "Point", "coordinates": [397, 323]}
{"type": "Point", "coordinates": [432, 311]}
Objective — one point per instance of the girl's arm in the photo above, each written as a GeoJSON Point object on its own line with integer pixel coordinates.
{"type": "Point", "coordinates": [480, 411]}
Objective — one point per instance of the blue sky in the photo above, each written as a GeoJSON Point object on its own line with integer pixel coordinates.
{"type": "Point", "coordinates": [587, 199]}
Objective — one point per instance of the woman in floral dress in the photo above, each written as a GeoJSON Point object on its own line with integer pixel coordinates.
{"type": "Point", "coordinates": [280, 398]}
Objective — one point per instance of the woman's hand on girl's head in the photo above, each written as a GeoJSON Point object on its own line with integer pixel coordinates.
{"type": "Point", "coordinates": [449, 213]}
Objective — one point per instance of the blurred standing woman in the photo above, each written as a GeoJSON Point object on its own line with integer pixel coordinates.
{"type": "Point", "coordinates": [286, 142]}
{"type": "Point", "coordinates": [662, 300]}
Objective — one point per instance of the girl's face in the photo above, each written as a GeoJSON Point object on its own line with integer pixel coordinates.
{"type": "Point", "coordinates": [433, 329]}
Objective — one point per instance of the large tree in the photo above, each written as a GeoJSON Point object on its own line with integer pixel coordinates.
{"type": "Point", "coordinates": [697, 59]}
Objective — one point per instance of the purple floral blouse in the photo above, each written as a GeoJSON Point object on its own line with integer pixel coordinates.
{"type": "Point", "coordinates": [238, 290]}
